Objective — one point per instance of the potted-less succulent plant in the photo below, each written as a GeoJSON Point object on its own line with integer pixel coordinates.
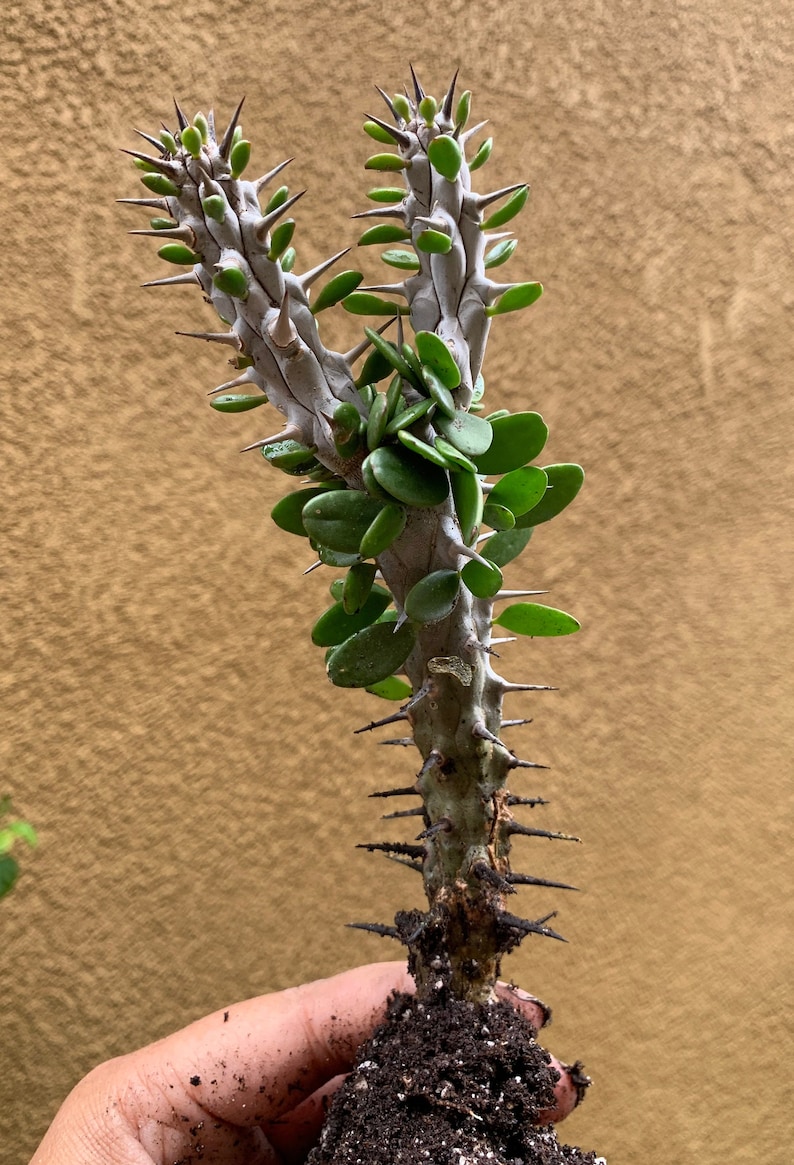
{"type": "Point", "coordinates": [415, 496]}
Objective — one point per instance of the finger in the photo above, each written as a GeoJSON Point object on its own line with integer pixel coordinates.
{"type": "Point", "coordinates": [295, 1133]}
{"type": "Point", "coordinates": [252, 1062]}
{"type": "Point", "coordinates": [572, 1083]}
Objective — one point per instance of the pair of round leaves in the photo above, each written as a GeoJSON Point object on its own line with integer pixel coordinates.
{"type": "Point", "coordinates": [349, 522]}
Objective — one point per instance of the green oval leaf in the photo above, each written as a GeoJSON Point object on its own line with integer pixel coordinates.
{"type": "Point", "coordinates": [239, 157]}
{"type": "Point", "coordinates": [392, 688]}
{"type": "Point", "coordinates": [498, 517]}
{"type": "Point", "coordinates": [519, 490]}
{"type": "Point", "coordinates": [458, 459]}
{"type": "Point", "coordinates": [281, 239]}
{"type": "Point", "coordinates": [511, 208]}
{"type": "Point", "coordinates": [416, 445]}
{"type": "Point", "coordinates": [362, 303]}
{"type": "Point", "coordinates": [564, 483]}
{"type": "Point", "coordinates": [500, 253]}
{"type": "Point", "coordinates": [378, 133]}
{"type": "Point", "coordinates": [371, 655]}
{"type": "Point", "coordinates": [336, 557]}
{"type": "Point", "coordinates": [384, 529]}
{"type": "Point", "coordinates": [515, 298]}
{"type": "Point", "coordinates": [378, 416]}
{"type": "Point", "coordinates": [483, 581]}
{"type": "Point", "coordinates": [192, 141]}
{"type": "Point", "coordinates": [505, 546]}
{"type": "Point", "coordinates": [237, 402]}
{"type": "Point", "coordinates": [402, 260]}
{"type": "Point", "coordinates": [408, 416]}
{"type": "Point", "coordinates": [386, 163]}
{"type": "Point", "coordinates": [470, 434]}
{"type": "Point", "coordinates": [446, 156]}
{"type": "Point", "coordinates": [435, 353]}
{"type": "Point", "coordinates": [357, 586]}
{"type": "Point", "coordinates": [335, 626]}
{"type": "Point", "coordinates": [433, 597]}
{"type": "Point", "coordinates": [232, 281]}
{"type": "Point", "coordinates": [339, 519]}
{"type": "Point", "coordinates": [384, 233]}
{"type": "Point", "coordinates": [433, 242]}
{"type": "Point", "coordinates": [386, 194]}
{"type": "Point", "coordinates": [482, 155]}
{"type": "Point", "coordinates": [409, 478]}
{"type": "Point", "coordinates": [291, 457]}
{"type": "Point", "coordinates": [336, 289]}
{"type": "Point", "coordinates": [389, 352]}
{"type": "Point", "coordinates": [179, 253]}
{"type": "Point", "coordinates": [535, 619]}
{"type": "Point", "coordinates": [277, 198]}
{"type": "Point", "coordinates": [159, 184]}
{"type": "Point", "coordinates": [438, 391]}
{"type": "Point", "coordinates": [517, 438]}
{"type": "Point", "coordinates": [467, 495]}
{"type": "Point", "coordinates": [214, 207]}
{"type": "Point", "coordinates": [9, 872]}
{"type": "Point", "coordinates": [287, 512]}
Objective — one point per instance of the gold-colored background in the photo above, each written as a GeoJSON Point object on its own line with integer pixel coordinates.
{"type": "Point", "coordinates": [166, 725]}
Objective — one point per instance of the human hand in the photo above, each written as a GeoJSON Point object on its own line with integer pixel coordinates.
{"type": "Point", "coordinates": [244, 1086]}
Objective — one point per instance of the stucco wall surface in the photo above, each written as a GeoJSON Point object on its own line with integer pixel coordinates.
{"type": "Point", "coordinates": [165, 722]}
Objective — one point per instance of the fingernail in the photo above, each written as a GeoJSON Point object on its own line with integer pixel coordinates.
{"type": "Point", "coordinates": [525, 997]}
{"type": "Point", "coordinates": [580, 1080]}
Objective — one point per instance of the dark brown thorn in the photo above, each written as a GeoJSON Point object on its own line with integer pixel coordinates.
{"type": "Point", "coordinates": [403, 740]}
{"type": "Point", "coordinates": [488, 874]}
{"type": "Point", "coordinates": [418, 812]}
{"type": "Point", "coordinates": [147, 137]}
{"type": "Point", "coordinates": [415, 866]}
{"type": "Point", "coordinates": [379, 723]}
{"type": "Point", "coordinates": [418, 90]}
{"type": "Point", "coordinates": [528, 880]}
{"type": "Point", "coordinates": [375, 928]}
{"type": "Point", "coordinates": [486, 199]}
{"type": "Point", "coordinates": [230, 338]}
{"type": "Point", "coordinates": [415, 934]}
{"type": "Point", "coordinates": [167, 168]}
{"type": "Point", "coordinates": [400, 136]}
{"type": "Point", "coordinates": [266, 222]}
{"type": "Point", "coordinates": [515, 763]}
{"type": "Point", "coordinates": [393, 847]}
{"type": "Point", "coordinates": [530, 926]}
{"type": "Point", "coordinates": [531, 801]}
{"type": "Point", "coordinates": [516, 828]}
{"type": "Point", "coordinates": [446, 107]}
{"type": "Point", "coordinates": [361, 348]}
{"type": "Point", "coordinates": [154, 203]}
{"type": "Point", "coordinates": [480, 731]}
{"type": "Point", "coordinates": [406, 791]}
{"type": "Point", "coordinates": [433, 760]}
{"type": "Point", "coordinates": [396, 211]}
{"type": "Point", "coordinates": [260, 183]}
{"type": "Point", "coordinates": [225, 145]}
{"type": "Point", "coordinates": [175, 280]}
{"type": "Point", "coordinates": [443, 825]}
{"type": "Point", "coordinates": [182, 120]}
{"type": "Point", "coordinates": [516, 723]}
{"type": "Point", "coordinates": [389, 102]}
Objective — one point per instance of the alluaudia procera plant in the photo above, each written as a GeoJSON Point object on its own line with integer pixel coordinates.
{"type": "Point", "coordinates": [410, 488]}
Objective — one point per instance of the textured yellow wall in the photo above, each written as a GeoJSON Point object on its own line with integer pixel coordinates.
{"type": "Point", "coordinates": [165, 724]}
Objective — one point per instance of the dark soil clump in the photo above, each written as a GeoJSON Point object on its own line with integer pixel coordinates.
{"type": "Point", "coordinates": [448, 1082]}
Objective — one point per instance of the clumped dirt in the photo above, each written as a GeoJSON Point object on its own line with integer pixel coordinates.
{"type": "Point", "coordinates": [448, 1082]}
